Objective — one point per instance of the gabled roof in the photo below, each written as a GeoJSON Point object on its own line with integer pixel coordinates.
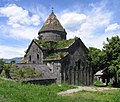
{"type": "Point", "coordinates": [52, 23]}
{"type": "Point", "coordinates": [33, 41]}
{"type": "Point", "coordinates": [61, 48]}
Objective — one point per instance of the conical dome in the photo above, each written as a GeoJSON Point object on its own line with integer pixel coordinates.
{"type": "Point", "coordinates": [52, 30]}
{"type": "Point", "coordinates": [52, 23]}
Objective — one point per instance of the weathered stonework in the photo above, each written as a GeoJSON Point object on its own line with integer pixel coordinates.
{"type": "Point", "coordinates": [35, 54]}
{"type": "Point", "coordinates": [55, 67]}
{"type": "Point", "coordinates": [52, 30]}
{"type": "Point", "coordinates": [73, 67]}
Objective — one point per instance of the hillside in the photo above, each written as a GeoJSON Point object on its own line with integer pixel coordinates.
{"type": "Point", "coordinates": [17, 92]}
{"type": "Point", "coordinates": [16, 59]}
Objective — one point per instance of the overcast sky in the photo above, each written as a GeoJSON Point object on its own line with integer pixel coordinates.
{"type": "Point", "coordinates": [91, 20]}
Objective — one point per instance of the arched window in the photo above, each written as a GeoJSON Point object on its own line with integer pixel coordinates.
{"type": "Point", "coordinates": [30, 58]}
{"type": "Point", "coordinates": [38, 57]}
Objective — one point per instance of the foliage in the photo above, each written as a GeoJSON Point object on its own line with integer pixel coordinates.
{"type": "Point", "coordinates": [52, 46]}
{"type": "Point", "coordinates": [24, 72]}
{"type": "Point", "coordinates": [63, 43]}
{"type": "Point", "coordinates": [13, 61]}
{"type": "Point", "coordinates": [108, 57]}
{"type": "Point", "coordinates": [56, 55]}
{"type": "Point", "coordinates": [96, 56]}
{"type": "Point", "coordinates": [55, 45]}
{"type": "Point", "coordinates": [7, 70]}
{"type": "Point", "coordinates": [112, 51]}
{"type": "Point", "coordinates": [17, 92]}
{"type": "Point", "coordinates": [14, 72]}
{"type": "Point", "coordinates": [98, 82]}
{"type": "Point", "coordinates": [1, 65]}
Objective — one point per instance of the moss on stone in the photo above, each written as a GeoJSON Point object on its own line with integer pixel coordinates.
{"type": "Point", "coordinates": [56, 56]}
{"type": "Point", "coordinates": [55, 45]}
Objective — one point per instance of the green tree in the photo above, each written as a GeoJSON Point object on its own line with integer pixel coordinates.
{"type": "Point", "coordinates": [96, 57]}
{"type": "Point", "coordinates": [12, 62]}
{"type": "Point", "coordinates": [7, 70]}
{"type": "Point", "coordinates": [108, 58]}
{"type": "Point", "coordinates": [112, 53]}
{"type": "Point", "coordinates": [1, 65]}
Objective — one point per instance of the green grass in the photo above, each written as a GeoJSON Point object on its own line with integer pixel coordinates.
{"type": "Point", "coordinates": [17, 92]}
{"type": "Point", "coordinates": [104, 96]}
{"type": "Point", "coordinates": [58, 45]}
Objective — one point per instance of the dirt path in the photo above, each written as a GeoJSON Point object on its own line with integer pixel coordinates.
{"type": "Point", "coordinates": [80, 88]}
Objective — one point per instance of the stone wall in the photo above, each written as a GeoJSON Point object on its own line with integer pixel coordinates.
{"type": "Point", "coordinates": [55, 67]}
{"type": "Point", "coordinates": [75, 67]}
{"type": "Point", "coordinates": [52, 36]}
{"type": "Point", "coordinates": [45, 78]}
{"type": "Point", "coordinates": [35, 54]}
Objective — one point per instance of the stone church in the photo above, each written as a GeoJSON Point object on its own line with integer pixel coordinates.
{"type": "Point", "coordinates": [65, 60]}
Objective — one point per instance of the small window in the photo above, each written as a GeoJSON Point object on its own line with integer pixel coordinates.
{"type": "Point", "coordinates": [38, 57]}
{"type": "Point", "coordinates": [37, 49]}
{"type": "Point", "coordinates": [34, 62]}
{"type": "Point", "coordinates": [30, 58]}
{"type": "Point", "coordinates": [33, 50]}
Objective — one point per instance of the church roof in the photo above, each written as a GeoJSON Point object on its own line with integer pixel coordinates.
{"type": "Point", "coordinates": [60, 47]}
{"type": "Point", "coordinates": [41, 68]}
{"type": "Point", "coordinates": [52, 23]}
{"type": "Point", "coordinates": [33, 41]}
{"type": "Point", "coordinates": [56, 55]}
{"type": "Point", "coordinates": [63, 44]}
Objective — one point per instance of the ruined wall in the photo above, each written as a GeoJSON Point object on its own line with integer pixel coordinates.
{"type": "Point", "coordinates": [35, 54]}
{"type": "Point", "coordinates": [55, 67]}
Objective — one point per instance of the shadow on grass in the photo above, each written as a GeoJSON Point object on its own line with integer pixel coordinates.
{"type": "Point", "coordinates": [113, 85]}
{"type": "Point", "coordinates": [100, 85]}
{"type": "Point", "coordinates": [116, 85]}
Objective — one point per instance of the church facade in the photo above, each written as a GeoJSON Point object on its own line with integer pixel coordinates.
{"type": "Point", "coordinates": [67, 60]}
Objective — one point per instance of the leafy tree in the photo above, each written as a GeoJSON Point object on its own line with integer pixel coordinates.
{"type": "Point", "coordinates": [7, 70]}
{"type": "Point", "coordinates": [112, 53]}
{"type": "Point", "coordinates": [96, 56]}
{"type": "Point", "coordinates": [108, 58]}
{"type": "Point", "coordinates": [12, 62]}
{"type": "Point", "coordinates": [1, 65]}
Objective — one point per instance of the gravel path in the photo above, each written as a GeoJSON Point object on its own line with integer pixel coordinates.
{"type": "Point", "coordinates": [80, 88]}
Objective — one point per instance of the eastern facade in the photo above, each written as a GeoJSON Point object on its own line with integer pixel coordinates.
{"type": "Point", "coordinates": [66, 59]}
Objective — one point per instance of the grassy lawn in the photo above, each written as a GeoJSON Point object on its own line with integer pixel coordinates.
{"type": "Point", "coordinates": [17, 92]}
